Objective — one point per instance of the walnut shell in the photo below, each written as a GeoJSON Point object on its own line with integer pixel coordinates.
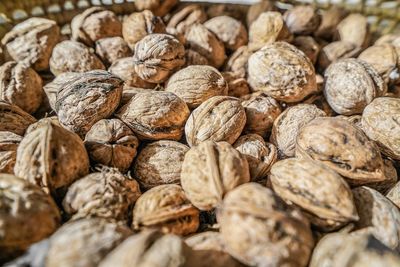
{"type": "Point", "coordinates": [158, 7]}
{"type": "Point", "coordinates": [129, 92]}
{"type": "Point", "coordinates": [391, 178]}
{"type": "Point", "coordinates": [210, 170]}
{"type": "Point", "coordinates": [155, 115]}
{"type": "Point", "coordinates": [354, 29]}
{"type": "Point", "coordinates": [160, 163]}
{"type": "Point", "coordinates": [335, 51]}
{"type": "Point", "coordinates": [282, 71]}
{"type": "Point", "coordinates": [167, 208]}
{"type": "Point", "coordinates": [394, 194]}
{"type": "Point", "coordinates": [309, 46]}
{"type": "Point", "coordinates": [186, 17]}
{"type": "Point", "coordinates": [9, 143]}
{"type": "Point", "coordinates": [237, 86]}
{"type": "Point", "coordinates": [32, 42]}
{"type": "Point", "coordinates": [220, 118]}
{"type": "Point", "coordinates": [256, 9]}
{"type": "Point", "coordinates": [88, 98]}
{"type": "Point", "coordinates": [42, 122]}
{"type": "Point", "coordinates": [14, 119]}
{"type": "Point", "coordinates": [302, 20]}
{"type": "Point", "coordinates": [330, 18]}
{"type": "Point", "coordinates": [51, 89]}
{"type": "Point", "coordinates": [193, 57]}
{"type": "Point", "coordinates": [111, 49]}
{"type": "Point", "coordinates": [112, 143]}
{"type": "Point", "coordinates": [259, 229]}
{"type": "Point", "coordinates": [157, 56]}
{"type": "Point", "coordinates": [320, 102]}
{"type": "Point", "coordinates": [237, 62]}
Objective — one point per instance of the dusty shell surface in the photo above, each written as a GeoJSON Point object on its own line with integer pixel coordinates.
{"type": "Point", "coordinates": [196, 84]}
{"type": "Point", "coordinates": [302, 20]}
{"type": "Point", "coordinates": [335, 51]}
{"type": "Point", "coordinates": [160, 163]}
{"type": "Point", "coordinates": [51, 157]}
{"type": "Point", "coordinates": [259, 229]}
{"type": "Point", "coordinates": [32, 42]}
{"type": "Point", "coordinates": [20, 85]}
{"type": "Point", "coordinates": [72, 56]}
{"type": "Point", "coordinates": [330, 18]}
{"type": "Point", "coordinates": [282, 71]}
{"type": "Point", "coordinates": [158, 7]}
{"type": "Point", "coordinates": [86, 99]}
{"type": "Point", "coordinates": [381, 123]}
{"type": "Point", "coordinates": [166, 208]}
{"type": "Point", "coordinates": [351, 84]}
{"type": "Point", "coordinates": [186, 17]}
{"type": "Point", "coordinates": [107, 194]}
{"type": "Point", "coordinates": [354, 29]}
{"type": "Point", "coordinates": [237, 85]}
{"type": "Point", "coordinates": [220, 118]}
{"type": "Point", "coordinates": [43, 122]}
{"type": "Point", "coordinates": [309, 46]}
{"type": "Point", "coordinates": [28, 215]}
{"type": "Point", "coordinates": [88, 242]}
{"type": "Point", "coordinates": [14, 119]}
{"type": "Point", "coordinates": [51, 89]}
{"type": "Point", "coordinates": [288, 124]}
{"type": "Point", "coordinates": [9, 142]}
{"type": "Point", "coordinates": [157, 56]}
{"type": "Point", "coordinates": [210, 170]}
{"type": "Point", "coordinates": [112, 143]}
{"type": "Point", "coordinates": [111, 49]}
{"type": "Point", "coordinates": [94, 24]}
{"type": "Point", "coordinates": [129, 92]}
{"type": "Point", "coordinates": [237, 61]}
{"type": "Point", "coordinates": [259, 154]}
{"type": "Point", "coordinates": [394, 194]}
{"type": "Point", "coordinates": [342, 147]}
{"type": "Point", "coordinates": [320, 192]}
{"type": "Point", "coordinates": [155, 115]}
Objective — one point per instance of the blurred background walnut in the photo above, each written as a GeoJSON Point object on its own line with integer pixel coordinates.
{"type": "Point", "coordinates": [354, 29]}
{"type": "Point", "coordinates": [9, 143]}
{"type": "Point", "coordinates": [158, 7]}
{"type": "Point", "coordinates": [111, 49]}
{"type": "Point", "coordinates": [186, 17]}
{"type": "Point", "coordinates": [302, 20]}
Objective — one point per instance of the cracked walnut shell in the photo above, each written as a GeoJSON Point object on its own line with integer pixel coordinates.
{"type": "Point", "coordinates": [9, 143]}
{"type": "Point", "coordinates": [14, 119]}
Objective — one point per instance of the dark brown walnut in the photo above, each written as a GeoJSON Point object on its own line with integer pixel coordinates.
{"type": "Point", "coordinates": [261, 112]}
{"type": "Point", "coordinates": [88, 242]}
{"type": "Point", "coordinates": [282, 71]}
{"type": "Point", "coordinates": [309, 46]}
{"type": "Point", "coordinates": [391, 178]}
{"type": "Point", "coordinates": [86, 99]}
{"type": "Point", "coordinates": [160, 163]}
{"type": "Point", "coordinates": [259, 154]}
{"type": "Point", "coordinates": [266, 29]}
{"type": "Point", "coordinates": [157, 56]}
{"type": "Point", "coordinates": [9, 142]}
{"type": "Point", "coordinates": [14, 119]}
{"type": "Point", "coordinates": [93, 24]}
{"type": "Point", "coordinates": [335, 51]}
{"type": "Point", "coordinates": [354, 29]}
{"type": "Point", "coordinates": [106, 194]}
{"type": "Point", "coordinates": [165, 207]}
{"type": "Point", "coordinates": [158, 7]}
{"type": "Point", "coordinates": [32, 42]}
{"type": "Point", "coordinates": [51, 157]}
{"type": "Point", "coordinates": [186, 17]}
{"type": "Point", "coordinates": [286, 127]}
{"type": "Point", "coordinates": [229, 30]}
{"type": "Point", "coordinates": [259, 229]}
{"type": "Point", "coordinates": [20, 85]}
{"type": "Point", "coordinates": [220, 118]}
{"type": "Point", "coordinates": [155, 115]}
{"type": "Point", "coordinates": [330, 18]}
{"type": "Point", "coordinates": [237, 62]}
{"type": "Point", "coordinates": [112, 143]}
{"type": "Point", "coordinates": [256, 9]}
{"type": "Point", "coordinates": [193, 57]}
{"type": "Point", "coordinates": [51, 89]}
{"type": "Point", "coordinates": [210, 170]}
{"type": "Point", "coordinates": [129, 92]}
{"type": "Point", "coordinates": [394, 194]}
{"type": "Point", "coordinates": [302, 20]}
{"type": "Point", "coordinates": [140, 24]}
{"type": "Point", "coordinates": [206, 43]}
{"type": "Point", "coordinates": [321, 103]}
{"type": "Point", "coordinates": [381, 123]}
{"type": "Point", "coordinates": [237, 86]}
{"type": "Point", "coordinates": [72, 56]}
{"type": "Point", "coordinates": [28, 215]}
{"type": "Point", "coordinates": [343, 147]}
{"type": "Point", "coordinates": [111, 49]}
{"type": "Point", "coordinates": [321, 193]}
{"type": "Point", "coordinates": [195, 84]}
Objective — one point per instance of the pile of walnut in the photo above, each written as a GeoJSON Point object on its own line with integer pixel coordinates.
{"type": "Point", "coordinates": [192, 135]}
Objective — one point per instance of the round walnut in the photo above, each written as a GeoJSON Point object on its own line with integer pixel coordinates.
{"type": "Point", "coordinates": [350, 85]}
{"type": "Point", "coordinates": [14, 119]}
{"type": "Point", "coordinates": [335, 51]}
{"type": "Point", "coordinates": [94, 24]}
{"type": "Point", "coordinates": [32, 42]}
{"type": "Point", "coordinates": [330, 18]}
{"type": "Point", "coordinates": [210, 170]}
{"type": "Point", "coordinates": [354, 29]}
{"type": "Point", "coordinates": [167, 208]}
{"type": "Point", "coordinates": [9, 143]}
{"type": "Point", "coordinates": [309, 46]}
{"type": "Point", "coordinates": [111, 49]}
{"type": "Point", "coordinates": [160, 163]}
{"type": "Point", "coordinates": [259, 229]}
{"type": "Point", "coordinates": [28, 215]}
{"type": "Point", "coordinates": [107, 194]}
{"type": "Point", "coordinates": [112, 143]}
{"type": "Point", "coordinates": [20, 85]}
{"type": "Point", "coordinates": [282, 71]}
{"type": "Point", "coordinates": [158, 7]}
{"type": "Point", "coordinates": [237, 85]}
{"type": "Point", "coordinates": [51, 89]}
{"type": "Point", "coordinates": [86, 99]}
{"type": "Point", "coordinates": [237, 62]}
{"type": "Point", "coordinates": [195, 84]}
{"type": "Point", "coordinates": [186, 17]}
{"type": "Point", "coordinates": [302, 20]}
{"type": "Point", "coordinates": [155, 115]}
{"type": "Point", "coordinates": [343, 147]}
{"type": "Point", "coordinates": [72, 56]}
{"type": "Point", "coordinates": [220, 118]}
{"type": "Point", "coordinates": [157, 56]}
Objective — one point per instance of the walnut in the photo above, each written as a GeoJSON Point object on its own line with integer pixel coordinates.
{"type": "Point", "coordinates": [350, 85]}
{"type": "Point", "coordinates": [220, 118]}
{"type": "Point", "coordinates": [158, 7]}
{"type": "Point", "coordinates": [302, 20]}
{"type": "Point", "coordinates": [335, 51]}
{"type": "Point", "coordinates": [129, 92]}
{"type": "Point", "coordinates": [160, 163]}
{"type": "Point", "coordinates": [196, 84]}
{"type": "Point", "coordinates": [309, 46]}
{"type": "Point", "coordinates": [110, 142]}
{"type": "Point", "coordinates": [186, 17]}
{"type": "Point", "coordinates": [237, 61]}
{"type": "Point", "coordinates": [256, 9]}
{"type": "Point", "coordinates": [321, 103]}
{"type": "Point", "coordinates": [193, 57]}
{"type": "Point", "coordinates": [95, 23]}
{"type": "Point", "coordinates": [394, 194]}
{"type": "Point", "coordinates": [391, 178]}
{"type": "Point", "coordinates": [20, 85]}
{"type": "Point", "coordinates": [51, 89]}
{"type": "Point", "coordinates": [86, 99]}
{"type": "Point", "coordinates": [9, 142]}
{"type": "Point", "coordinates": [32, 42]}
{"type": "Point", "coordinates": [111, 49]}
{"type": "Point", "coordinates": [210, 170]}
{"type": "Point", "coordinates": [237, 86]}
{"type": "Point", "coordinates": [42, 122]}
{"type": "Point", "coordinates": [354, 29]}
{"type": "Point", "coordinates": [167, 208]}
{"type": "Point", "coordinates": [282, 71]}
{"type": "Point", "coordinates": [330, 18]}
{"type": "Point", "coordinates": [157, 56]}
{"type": "Point", "coordinates": [71, 56]}
{"type": "Point", "coordinates": [14, 119]}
